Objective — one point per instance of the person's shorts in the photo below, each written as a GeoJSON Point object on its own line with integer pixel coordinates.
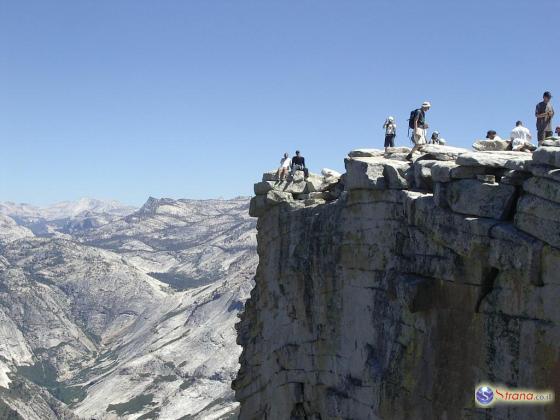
{"type": "Point", "coordinates": [389, 140]}
{"type": "Point", "coordinates": [419, 136]}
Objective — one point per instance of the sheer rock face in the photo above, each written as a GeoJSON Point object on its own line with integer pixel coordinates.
{"type": "Point", "coordinates": [388, 304]}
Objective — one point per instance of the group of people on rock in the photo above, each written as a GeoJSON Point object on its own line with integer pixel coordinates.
{"type": "Point", "coordinates": [287, 165]}
{"type": "Point", "coordinates": [520, 137]}
{"type": "Point", "coordinates": [416, 123]}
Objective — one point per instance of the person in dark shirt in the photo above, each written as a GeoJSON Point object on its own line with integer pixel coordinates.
{"type": "Point", "coordinates": [298, 164]}
{"type": "Point", "coordinates": [544, 113]}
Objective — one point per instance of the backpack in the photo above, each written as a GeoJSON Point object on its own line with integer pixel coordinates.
{"type": "Point", "coordinates": [412, 118]}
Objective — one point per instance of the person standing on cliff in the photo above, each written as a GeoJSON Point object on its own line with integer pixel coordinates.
{"type": "Point", "coordinates": [298, 164]}
{"type": "Point", "coordinates": [418, 125]}
{"type": "Point", "coordinates": [390, 132]}
{"type": "Point", "coordinates": [544, 113]}
{"type": "Point", "coordinates": [285, 164]}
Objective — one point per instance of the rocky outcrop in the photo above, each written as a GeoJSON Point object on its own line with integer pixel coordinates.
{"type": "Point", "coordinates": [417, 282]}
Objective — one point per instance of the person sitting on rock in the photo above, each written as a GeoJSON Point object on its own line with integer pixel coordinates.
{"type": "Point", "coordinates": [521, 138]}
{"type": "Point", "coordinates": [285, 164]}
{"type": "Point", "coordinates": [557, 131]}
{"type": "Point", "coordinates": [298, 164]}
{"type": "Point", "coordinates": [436, 139]}
{"type": "Point", "coordinates": [491, 135]}
{"type": "Point", "coordinates": [390, 132]}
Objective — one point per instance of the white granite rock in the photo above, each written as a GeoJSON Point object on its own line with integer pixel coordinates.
{"type": "Point", "coordinates": [492, 159]}
{"type": "Point", "coordinates": [472, 197]}
{"type": "Point", "coordinates": [439, 152]}
{"type": "Point", "coordinates": [487, 145]}
{"type": "Point", "coordinates": [547, 155]}
{"type": "Point", "coordinates": [366, 153]}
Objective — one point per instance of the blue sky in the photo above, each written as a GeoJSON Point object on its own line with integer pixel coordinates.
{"type": "Point", "coordinates": [195, 99]}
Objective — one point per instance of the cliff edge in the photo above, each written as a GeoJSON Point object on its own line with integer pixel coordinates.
{"type": "Point", "coordinates": [391, 291]}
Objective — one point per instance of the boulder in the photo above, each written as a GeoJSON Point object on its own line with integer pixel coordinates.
{"type": "Point", "coordinates": [269, 176]}
{"type": "Point", "coordinates": [445, 171]}
{"type": "Point", "coordinates": [472, 197]}
{"type": "Point", "coordinates": [330, 173]}
{"type": "Point", "coordinates": [547, 155]}
{"type": "Point", "coordinates": [398, 174]}
{"type": "Point", "coordinates": [377, 173]}
{"type": "Point", "coordinates": [487, 145]}
{"type": "Point", "coordinates": [397, 156]}
{"type": "Point", "coordinates": [520, 163]}
{"type": "Point", "coordinates": [261, 188]}
{"type": "Point", "coordinates": [439, 152]}
{"type": "Point", "coordinates": [423, 173]}
{"type": "Point", "coordinates": [393, 150]}
{"type": "Point", "coordinates": [289, 186]}
{"type": "Point", "coordinates": [257, 206]}
{"type": "Point", "coordinates": [275, 197]}
{"type": "Point", "coordinates": [320, 183]}
{"type": "Point", "coordinates": [491, 159]}
{"type": "Point", "coordinates": [552, 142]}
{"type": "Point", "coordinates": [366, 153]}
{"type": "Point", "coordinates": [364, 173]}
{"type": "Point", "coordinates": [540, 218]}
{"type": "Point", "coordinates": [545, 171]}
{"type": "Point", "coordinates": [544, 188]}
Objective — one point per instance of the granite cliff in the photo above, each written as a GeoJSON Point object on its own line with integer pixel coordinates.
{"type": "Point", "coordinates": [391, 291]}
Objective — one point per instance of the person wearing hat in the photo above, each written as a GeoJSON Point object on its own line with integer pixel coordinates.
{"type": "Point", "coordinates": [390, 132]}
{"type": "Point", "coordinates": [544, 113]}
{"type": "Point", "coordinates": [557, 131]}
{"type": "Point", "coordinates": [436, 139]}
{"type": "Point", "coordinates": [492, 135]}
{"type": "Point", "coordinates": [419, 127]}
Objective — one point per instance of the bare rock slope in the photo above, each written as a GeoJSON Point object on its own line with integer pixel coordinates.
{"type": "Point", "coordinates": [130, 319]}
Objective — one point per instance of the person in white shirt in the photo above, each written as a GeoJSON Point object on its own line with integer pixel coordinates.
{"type": "Point", "coordinates": [390, 132]}
{"type": "Point", "coordinates": [521, 138]}
{"type": "Point", "coordinates": [284, 168]}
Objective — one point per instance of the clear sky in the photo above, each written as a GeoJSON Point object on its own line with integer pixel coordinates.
{"type": "Point", "coordinates": [125, 99]}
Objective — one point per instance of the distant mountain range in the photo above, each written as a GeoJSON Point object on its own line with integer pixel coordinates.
{"type": "Point", "coordinates": [111, 312]}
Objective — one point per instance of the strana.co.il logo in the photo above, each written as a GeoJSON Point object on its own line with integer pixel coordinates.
{"type": "Point", "coordinates": [484, 395]}
{"type": "Point", "coordinates": [487, 395]}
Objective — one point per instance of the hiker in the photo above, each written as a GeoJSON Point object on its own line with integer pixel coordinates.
{"type": "Point", "coordinates": [557, 131]}
{"type": "Point", "coordinates": [417, 123]}
{"type": "Point", "coordinates": [491, 135]}
{"type": "Point", "coordinates": [390, 132]}
{"type": "Point", "coordinates": [285, 164]}
{"type": "Point", "coordinates": [544, 113]}
{"type": "Point", "coordinates": [436, 139]}
{"type": "Point", "coordinates": [298, 164]}
{"type": "Point", "coordinates": [521, 138]}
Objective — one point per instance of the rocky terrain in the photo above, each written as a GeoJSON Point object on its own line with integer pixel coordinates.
{"type": "Point", "coordinates": [109, 313]}
{"type": "Point", "coordinates": [391, 291]}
